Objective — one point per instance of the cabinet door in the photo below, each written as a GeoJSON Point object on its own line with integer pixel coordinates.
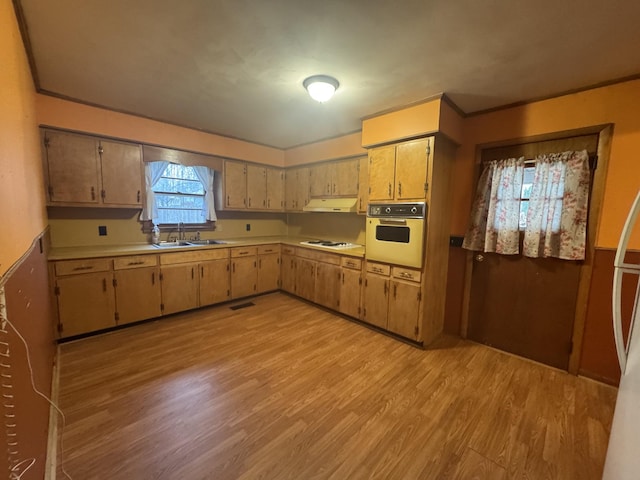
{"type": "Point", "coordinates": [320, 181]}
{"type": "Point", "coordinates": [350, 286]}
{"type": "Point", "coordinates": [404, 308]}
{"type": "Point", "coordinates": [243, 276]}
{"type": "Point", "coordinates": [376, 300]}
{"type": "Point", "coordinates": [215, 283]}
{"type": "Point", "coordinates": [382, 173]}
{"type": "Point", "coordinates": [363, 185]}
{"type": "Point", "coordinates": [235, 184]}
{"type": "Point", "coordinates": [411, 169]}
{"type": "Point", "coordinates": [86, 303]}
{"type": "Point", "coordinates": [288, 273]}
{"type": "Point", "coordinates": [138, 294]}
{"type": "Point", "coordinates": [256, 187]}
{"type": "Point", "coordinates": [290, 190]}
{"type": "Point", "coordinates": [327, 285]}
{"type": "Point", "coordinates": [305, 278]}
{"type": "Point", "coordinates": [179, 287]}
{"type": "Point", "coordinates": [345, 178]}
{"type": "Point", "coordinates": [275, 189]}
{"type": "Point", "coordinates": [73, 168]}
{"type": "Point", "coordinates": [121, 173]}
{"type": "Point", "coordinates": [303, 193]}
{"type": "Point", "coordinates": [268, 272]}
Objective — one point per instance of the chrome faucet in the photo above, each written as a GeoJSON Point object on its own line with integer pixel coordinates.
{"type": "Point", "coordinates": [180, 230]}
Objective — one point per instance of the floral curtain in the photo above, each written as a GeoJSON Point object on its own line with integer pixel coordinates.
{"type": "Point", "coordinates": [558, 207]}
{"type": "Point", "coordinates": [495, 220]}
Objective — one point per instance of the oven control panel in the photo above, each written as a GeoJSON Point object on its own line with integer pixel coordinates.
{"type": "Point", "coordinates": [397, 210]}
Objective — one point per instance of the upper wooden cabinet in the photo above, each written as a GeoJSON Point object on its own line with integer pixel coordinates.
{"type": "Point", "coordinates": [253, 187]}
{"type": "Point", "coordinates": [296, 188]}
{"type": "Point", "coordinates": [399, 172]}
{"type": "Point", "coordinates": [335, 179]}
{"type": "Point", "coordinates": [81, 170]}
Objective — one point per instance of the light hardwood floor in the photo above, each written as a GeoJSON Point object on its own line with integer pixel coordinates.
{"type": "Point", "coordinates": [284, 390]}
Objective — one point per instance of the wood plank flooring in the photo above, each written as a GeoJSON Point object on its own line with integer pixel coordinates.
{"type": "Point", "coordinates": [284, 390]}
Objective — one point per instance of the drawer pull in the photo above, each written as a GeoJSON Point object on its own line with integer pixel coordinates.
{"type": "Point", "coordinates": [88, 267]}
{"type": "Point", "coordinates": [377, 270]}
{"type": "Point", "coordinates": [141, 262]}
{"type": "Point", "coordinates": [406, 275]}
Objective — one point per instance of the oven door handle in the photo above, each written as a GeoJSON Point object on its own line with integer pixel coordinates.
{"type": "Point", "coordinates": [393, 221]}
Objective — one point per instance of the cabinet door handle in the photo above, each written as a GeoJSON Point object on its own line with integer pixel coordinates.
{"type": "Point", "coordinates": [389, 189]}
{"type": "Point", "coordinates": [249, 201]}
{"type": "Point", "coordinates": [385, 288]}
{"type": "Point", "coordinates": [87, 267]}
{"type": "Point", "coordinates": [136, 263]}
{"type": "Point", "coordinates": [260, 263]}
{"type": "Point", "coordinates": [234, 267]}
{"type": "Point", "coordinates": [138, 197]}
{"type": "Point", "coordinates": [201, 271]}
{"type": "Point", "coordinates": [399, 189]}
{"type": "Point", "coordinates": [93, 193]}
{"type": "Point", "coordinates": [192, 274]}
{"type": "Point", "coordinates": [395, 290]}
{"type": "Point", "coordinates": [227, 200]}
{"type": "Point", "coordinates": [104, 284]}
{"type": "Point", "coordinates": [153, 278]}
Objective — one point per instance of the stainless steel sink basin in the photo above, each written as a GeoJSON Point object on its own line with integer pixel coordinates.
{"type": "Point", "coordinates": [188, 243]}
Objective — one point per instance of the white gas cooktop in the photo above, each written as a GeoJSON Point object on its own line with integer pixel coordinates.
{"type": "Point", "coordinates": [330, 244]}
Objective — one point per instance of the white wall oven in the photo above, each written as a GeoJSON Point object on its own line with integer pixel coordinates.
{"type": "Point", "coordinates": [395, 233]}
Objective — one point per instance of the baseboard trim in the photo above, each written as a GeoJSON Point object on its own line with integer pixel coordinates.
{"type": "Point", "coordinates": [52, 442]}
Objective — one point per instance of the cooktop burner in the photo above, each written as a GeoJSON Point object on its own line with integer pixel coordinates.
{"type": "Point", "coordinates": [330, 244]}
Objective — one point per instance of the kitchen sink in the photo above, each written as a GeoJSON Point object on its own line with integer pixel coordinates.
{"type": "Point", "coordinates": [188, 243]}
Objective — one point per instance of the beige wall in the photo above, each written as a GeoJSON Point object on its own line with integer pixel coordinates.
{"type": "Point", "coordinates": [22, 212]}
{"type": "Point", "coordinates": [340, 147]}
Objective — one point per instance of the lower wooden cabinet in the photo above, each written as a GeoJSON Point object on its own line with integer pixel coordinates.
{"type": "Point", "coordinates": [327, 292]}
{"type": "Point", "coordinates": [350, 287]}
{"type": "Point", "coordinates": [288, 270]}
{"type": "Point", "coordinates": [268, 268]}
{"type": "Point", "coordinates": [376, 299]}
{"type": "Point", "coordinates": [179, 287]}
{"type": "Point", "coordinates": [214, 285]}
{"type": "Point", "coordinates": [306, 278]}
{"type": "Point", "coordinates": [404, 308]}
{"type": "Point", "coordinates": [244, 273]}
{"type": "Point", "coordinates": [138, 295]}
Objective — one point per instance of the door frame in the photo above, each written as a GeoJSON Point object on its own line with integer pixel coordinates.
{"type": "Point", "coordinates": [605, 133]}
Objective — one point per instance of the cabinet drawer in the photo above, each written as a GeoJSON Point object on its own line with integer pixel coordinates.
{"type": "Point", "coordinates": [74, 267]}
{"type": "Point", "coordinates": [318, 256]}
{"type": "Point", "coordinates": [288, 250]}
{"type": "Point", "coordinates": [264, 249]}
{"type": "Point", "coordinates": [350, 262]}
{"type": "Point", "coordinates": [138, 261]}
{"type": "Point", "coordinates": [243, 251]}
{"type": "Point", "coordinates": [379, 268]}
{"type": "Point", "coordinates": [194, 256]}
{"type": "Point", "coordinates": [407, 274]}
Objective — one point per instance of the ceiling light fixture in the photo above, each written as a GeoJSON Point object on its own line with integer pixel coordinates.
{"type": "Point", "coordinates": [321, 87]}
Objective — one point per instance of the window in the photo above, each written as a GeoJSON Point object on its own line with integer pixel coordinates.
{"type": "Point", "coordinates": [525, 195]}
{"type": "Point", "coordinates": [179, 196]}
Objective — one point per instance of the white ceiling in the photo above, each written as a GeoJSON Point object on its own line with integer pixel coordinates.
{"type": "Point", "coordinates": [235, 67]}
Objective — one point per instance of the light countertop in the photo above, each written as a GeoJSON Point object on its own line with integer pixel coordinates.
{"type": "Point", "coordinates": [95, 251]}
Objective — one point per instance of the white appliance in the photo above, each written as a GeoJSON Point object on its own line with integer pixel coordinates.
{"type": "Point", "coordinates": [330, 244]}
{"type": "Point", "coordinates": [623, 453]}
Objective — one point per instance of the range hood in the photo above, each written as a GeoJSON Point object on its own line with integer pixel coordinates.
{"type": "Point", "coordinates": [345, 205]}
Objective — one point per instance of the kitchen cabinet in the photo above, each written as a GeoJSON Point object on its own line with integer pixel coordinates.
{"type": "Point", "coordinates": [85, 296]}
{"type": "Point", "coordinates": [376, 294]}
{"type": "Point", "coordinates": [268, 268]}
{"type": "Point", "coordinates": [350, 286]}
{"type": "Point", "coordinates": [252, 187]}
{"type": "Point", "coordinates": [288, 269]}
{"type": "Point", "coordinates": [399, 172]}
{"type": "Point", "coordinates": [137, 287]}
{"type": "Point", "coordinates": [328, 285]}
{"type": "Point", "coordinates": [297, 190]}
{"type": "Point", "coordinates": [334, 179]}
{"type": "Point", "coordinates": [244, 273]}
{"type": "Point", "coordinates": [235, 185]}
{"type": "Point", "coordinates": [195, 278]}
{"type": "Point", "coordinates": [82, 170]}
{"type": "Point", "coordinates": [305, 278]}
{"type": "Point", "coordinates": [363, 185]}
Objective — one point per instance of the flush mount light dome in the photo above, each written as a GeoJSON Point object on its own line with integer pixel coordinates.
{"type": "Point", "coordinates": [321, 87]}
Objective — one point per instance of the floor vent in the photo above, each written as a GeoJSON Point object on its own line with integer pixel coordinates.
{"type": "Point", "coordinates": [242, 305]}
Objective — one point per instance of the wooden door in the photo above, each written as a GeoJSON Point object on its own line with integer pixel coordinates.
{"type": "Point", "coordinates": [86, 303]}
{"type": "Point", "coordinates": [288, 273]}
{"type": "Point", "coordinates": [121, 165]}
{"type": "Point", "coordinates": [527, 305]}
{"type": "Point", "coordinates": [328, 285]}
{"type": "Point", "coordinates": [275, 189]}
{"type": "Point", "coordinates": [235, 184]}
{"type": "Point", "coordinates": [320, 180]}
{"type": "Point", "coordinates": [350, 286]}
{"type": "Point", "coordinates": [138, 294]}
{"type": "Point", "coordinates": [305, 278]}
{"type": "Point", "coordinates": [303, 193]}
{"type": "Point", "coordinates": [376, 299]}
{"type": "Point", "coordinates": [345, 178]}
{"type": "Point", "coordinates": [179, 287]}
{"type": "Point", "coordinates": [363, 185]}
{"type": "Point", "coordinates": [382, 173]}
{"type": "Point", "coordinates": [268, 272]}
{"type": "Point", "coordinates": [404, 309]}
{"type": "Point", "coordinates": [73, 168]}
{"type": "Point", "coordinates": [256, 187]}
{"type": "Point", "coordinates": [244, 276]}
{"type": "Point", "coordinates": [215, 283]}
{"type": "Point", "coordinates": [411, 169]}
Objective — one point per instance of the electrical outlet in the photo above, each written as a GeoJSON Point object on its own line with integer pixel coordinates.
{"type": "Point", "coordinates": [248, 227]}
{"type": "Point", "coordinates": [102, 230]}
